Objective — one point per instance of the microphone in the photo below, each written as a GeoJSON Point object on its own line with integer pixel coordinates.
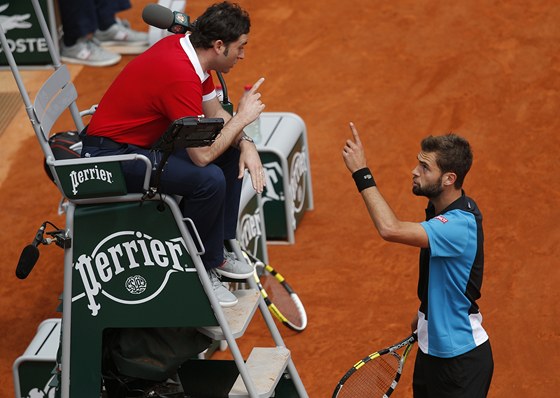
{"type": "Point", "coordinates": [27, 261]}
{"type": "Point", "coordinates": [29, 255]}
{"type": "Point", "coordinates": [163, 18]}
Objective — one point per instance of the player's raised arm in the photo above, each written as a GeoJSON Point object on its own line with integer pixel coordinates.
{"type": "Point", "coordinates": [390, 228]}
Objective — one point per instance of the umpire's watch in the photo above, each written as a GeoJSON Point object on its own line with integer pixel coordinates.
{"type": "Point", "coordinates": [245, 137]}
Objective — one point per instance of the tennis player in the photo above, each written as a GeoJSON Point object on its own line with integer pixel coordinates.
{"type": "Point", "coordinates": [455, 357]}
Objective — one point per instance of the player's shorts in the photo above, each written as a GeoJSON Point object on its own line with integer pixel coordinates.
{"type": "Point", "coordinates": [465, 376]}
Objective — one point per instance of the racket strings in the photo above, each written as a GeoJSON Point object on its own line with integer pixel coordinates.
{"type": "Point", "coordinates": [281, 299]}
{"type": "Point", "coordinates": [373, 379]}
{"type": "Point", "coordinates": [278, 295]}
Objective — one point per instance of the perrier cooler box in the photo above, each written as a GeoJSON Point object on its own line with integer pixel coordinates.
{"type": "Point", "coordinates": [288, 194]}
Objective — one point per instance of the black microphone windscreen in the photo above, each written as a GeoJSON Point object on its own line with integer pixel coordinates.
{"type": "Point", "coordinates": [158, 16]}
{"type": "Point", "coordinates": [27, 260]}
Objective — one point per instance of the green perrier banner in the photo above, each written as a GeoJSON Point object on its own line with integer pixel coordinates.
{"type": "Point", "coordinates": [25, 39]}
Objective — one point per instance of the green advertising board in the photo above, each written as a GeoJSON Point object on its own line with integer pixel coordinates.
{"type": "Point", "coordinates": [91, 180]}
{"type": "Point", "coordinates": [251, 233]}
{"type": "Point", "coordinates": [131, 269]}
{"type": "Point", "coordinates": [23, 33]}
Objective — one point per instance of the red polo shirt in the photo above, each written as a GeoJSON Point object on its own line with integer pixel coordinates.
{"type": "Point", "coordinates": [163, 84]}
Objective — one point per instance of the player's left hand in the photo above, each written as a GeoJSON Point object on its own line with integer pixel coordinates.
{"type": "Point", "coordinates": [251, 161]}
{"type": "Point", "coordinates": [353, 152]}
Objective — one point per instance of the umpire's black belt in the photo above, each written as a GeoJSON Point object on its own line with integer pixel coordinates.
{"type": "Point", "coordinates": [101, 142]}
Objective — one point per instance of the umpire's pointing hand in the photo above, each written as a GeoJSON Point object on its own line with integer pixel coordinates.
{"type": "Point", "coordinates": [250, 107]}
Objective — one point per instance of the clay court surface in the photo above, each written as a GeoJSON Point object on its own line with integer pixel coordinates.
{"type": "Point", "coordinates": [488, 70]}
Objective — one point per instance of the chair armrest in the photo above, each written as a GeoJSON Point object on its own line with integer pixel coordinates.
{"type": "Point", "coordinates": [90, 111]}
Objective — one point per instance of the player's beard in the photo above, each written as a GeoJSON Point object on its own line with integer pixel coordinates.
{"type": "Point", "coordinates": [430, 191]}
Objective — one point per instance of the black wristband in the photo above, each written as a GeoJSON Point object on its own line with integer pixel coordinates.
{"type": "Point", "coordinates": [363, 179]}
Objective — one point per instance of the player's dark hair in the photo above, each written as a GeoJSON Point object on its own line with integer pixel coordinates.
{"type": "Point", "coordinates": [453, 154]}
{"type": "Point", "coordinates": [222, 21]}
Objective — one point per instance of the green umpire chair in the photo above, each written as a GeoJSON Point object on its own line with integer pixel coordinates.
{"type": "Point", "coordinates": [132, 261]}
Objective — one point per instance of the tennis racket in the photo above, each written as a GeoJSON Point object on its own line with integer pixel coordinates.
{"type": "Point", "coordinates": [376, 375]}
{"type": "Point", "coordinates": [278, 295]}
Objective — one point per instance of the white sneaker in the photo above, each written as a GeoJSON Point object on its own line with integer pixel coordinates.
{"type": "Point", "coordinates": [224, 296]}
{"type": "Point", "coordinates": [122, 39]}
{"type": "Point", "coordinates": [88, 52]}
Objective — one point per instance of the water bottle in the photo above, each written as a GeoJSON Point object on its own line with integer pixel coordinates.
{"type": "Point", "coordinates": [253, 129]}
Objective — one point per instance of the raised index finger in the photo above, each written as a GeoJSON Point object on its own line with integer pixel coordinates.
{"type": "Point", "coordinates": [257, 85]}
{"type": "Point", "coordinates": [355, 133]}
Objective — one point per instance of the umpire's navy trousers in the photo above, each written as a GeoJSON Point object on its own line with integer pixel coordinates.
{"type": "Point", "coordinates": [82, 17]}
{"type": "Point", "coordinates": [210, 194]}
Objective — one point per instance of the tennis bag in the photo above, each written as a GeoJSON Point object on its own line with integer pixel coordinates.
{"type": "Point", "coordinates": [64, 145]}
{"type": "Point", "coordinates": [150, 353]}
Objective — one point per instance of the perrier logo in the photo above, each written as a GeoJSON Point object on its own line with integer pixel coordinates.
{"type": "Point", "coordinates": [298, 171]}
{"type": "Point", "coordinates": [78, 177]}
{"type": "Point", "coordinates": [129, 267]}
{"type": "Point", "coordinates": [249, 230]}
